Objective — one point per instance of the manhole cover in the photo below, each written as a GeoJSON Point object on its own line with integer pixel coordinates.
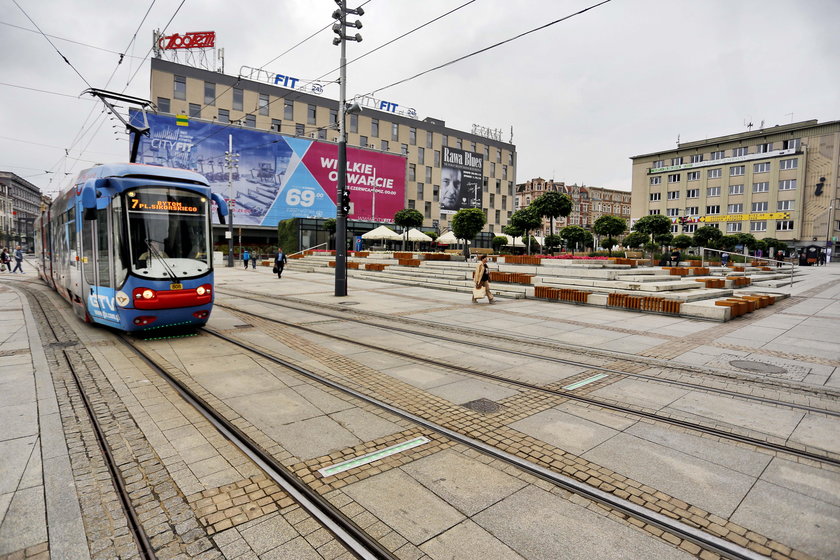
{"type": "Point", "coordinates": [757, 367]}
{"type": "Point", "coordinates": [483, 405]}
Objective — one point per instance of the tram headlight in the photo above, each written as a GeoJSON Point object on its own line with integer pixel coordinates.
{"type": "Point", "coordinates": [200, 290]}
{"type": "Point", "coordinates": [148, 294]}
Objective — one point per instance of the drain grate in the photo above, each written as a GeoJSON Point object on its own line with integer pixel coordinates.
{"type": "Point", "coordinates": [757, 367]}
{"type": "Point", "coordinates": [485, 406]}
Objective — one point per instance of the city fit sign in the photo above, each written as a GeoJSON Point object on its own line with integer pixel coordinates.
{"type": "Point", "coordinates": [724, 161]}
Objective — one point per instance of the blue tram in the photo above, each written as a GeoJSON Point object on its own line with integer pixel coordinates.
{"type": "Point", "coordinates": [130, 246]}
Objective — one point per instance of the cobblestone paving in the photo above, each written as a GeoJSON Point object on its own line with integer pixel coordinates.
{"type": "Point", "coordinates": [166, 517]}
{"type": "Point", "coordinates": [38, 552]}
{"type": "Point", "coordinates": [494, 430]}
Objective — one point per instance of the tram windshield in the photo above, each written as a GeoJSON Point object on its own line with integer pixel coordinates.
{"type": "Point", "coordinates": [168, 232]}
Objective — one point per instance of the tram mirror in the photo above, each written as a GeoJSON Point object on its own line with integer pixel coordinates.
{"type": "Point", "coordinates": [221, 207]}
{"type": "Point", "coordinates": [89, 200]}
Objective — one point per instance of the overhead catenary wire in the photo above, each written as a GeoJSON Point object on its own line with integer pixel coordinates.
{"type": "Point", "coordinates": [56, 37]}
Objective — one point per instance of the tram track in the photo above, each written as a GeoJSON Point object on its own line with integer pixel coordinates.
{"type": "Point", "coordinates": [820, 456]}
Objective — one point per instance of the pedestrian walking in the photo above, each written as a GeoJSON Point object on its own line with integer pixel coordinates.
{"type": "Point", "coordinates": [18, 260]}
{"type": "Point", "coordinates": [724, 258]}
{"type": "Point", "coordinates": [254, 262]}
{"type": "Point", "coordinates": [246, 256]}
{"type": "Point", "coordinates": [5, 261]}
{"type": "Point", "coordinates": [481, 278]}
{"type": "Point", "coordinates": [279, 262]}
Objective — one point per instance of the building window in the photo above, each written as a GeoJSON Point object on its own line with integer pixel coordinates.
{"type": "Point", "coordinates": [736, 189]}
{"type": "Point", "coordinates": [692, 210]}
{"type": "Point", "coordinates": [674, 178]}
{"type": "Point", "coordinates": [374, 128]}
{"type": "Point", "coordinates": [785, 225]}
{"type": "Point", "coordinates": [498, 216]}
{"type": "Point", "coordinates": [672, 212]}
{"type": "Point", "coordinates": [333, 116]}
{"type": "Point", "coordinates": [713, 191]}
{"type": "Point", "coordinates": [163, 104]}
{"type": "Point", "coordinates": [656, 180]}
{"type": "Point", "coordinates": [430, 136]}
{"type": "Point", "coordinates": [735, 208]}
{"type": "Point", "coordinates": [492, 169]}
{"type": "Point", "coordinates": [427, 210]}
{"type": "Point", "coordinates": [673, 195]}
{"type": "Point", "coordinates": [410, 201]}
{"type": "Point", "coordinates": [784, 205]}
{"type": "Point", "coordinates": [300, 129]}
{"type": "Point", "coordinates": [504, 172]}
{"type": "Point", "coordinates": [428, 174]}
{"type": "Point", "coordinates": [713, 173]}
{"type": "Point", "coordinates": [354, 123]}
{"type": "Point", "coordinates": [276, 125]}
{"type": "Point", "coordinates": [676, 161]}
{"type": "Point", "coordinates": [395, 131]}
{"type": "Point", "coordinates": [689, 228]}
{"type": "Point", "coordinates": [498, 155]}
{"type": "Point", "coordinates": [404, 149]}
{"type": "Point", "coordinates": [733, 227]}
{"type": "Point", "coordinates": [421, 155]}
{"type": "Point", "coordinates": [761, 187]}
{"type": "Point", "coordinates": [237, 99]}
{"type": "Point", "coordinates": [288, 110]}
{"type": "Point", "coordinates": [763, 167]}
{"type": "Point", "coordinates": [311, 114]}
{"type": "Point", "coordinates": [180, 90]}
{"type": "Point", "coordinates": [675, 229]}
{"type": "Point", "coordinates": [696, 158]}
{"type": "Point", "coordinates": [363, 141]}
{"type": "Point", "coordinates": [692, 176]}
{"type": "Point", "coordinates": [459, 144]}
{"type": "Point", "coordinates": [653, 212]}
{"type": "Point", "coordinates": [764, 148]}
{"type": "Point", "coordinates": [658, 163]}
{"type": "Point", "coordinates": [789, 164]}
{"type": "Point", "coordinates": [792, 144]}
{"type": "Point", "coordinates": [504, 201]}
{"type": "Point", "coordinates": [787, 185]}
{"type": "Point", "coordinates": [263, 104]}
{"type": "Point", "coordinates": [718, 155]}
{"type": "Point", "coordinates": [437, 158]}
{"type": "Point", "coordinates": [251, 120]}
{"type": "Point", "coordinates": [758, 226]}
{"type": "Point", "coordinates": [420, 191]}
{"type": "Point", "coordinates": [384, 145]}
{"type": "Point", "coordinates": [412, 136]}
{"type": "Point", "coordinates": [436, 193]}
{"type": "Point", "coordinates": [412, 172]}
{"type": "Point", "coordinates": [737, 170]}
{"type": "Point", "coordinates": [759, 206]}
{"type": "Point", "coordinates": [209, 93]}
{"type": "Point", "coordinates": [654, 196]}
{"type": "Point", "coordinates": [195, 110]}
{"type": "Point", "coordinates": [224, 116]}
{"type": "Point", "coordinates": [322, 134]}
{"type": "Point", "coordinates": [444, 140]}
{"type": "Point", "coordinates": [692, 193]}
{"type": "Point", "coordinates": [738, 152]}
{"type": "Point", "coordinates": [715, 209]}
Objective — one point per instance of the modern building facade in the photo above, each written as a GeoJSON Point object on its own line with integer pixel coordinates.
{"type": "Point", "coordinates": [778, 182]}
{"type": "Point", "coordinates": [20, 203]}
{"type": "Point", "coordinates": [262, 105]}
{"type": "Point", "coordinates": [590, 203]}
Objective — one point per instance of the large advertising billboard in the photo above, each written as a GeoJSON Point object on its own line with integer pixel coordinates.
{"type": "Point", "coordinates": [278, 177]}
{"type": "Point", "coordinates": [460, 180]}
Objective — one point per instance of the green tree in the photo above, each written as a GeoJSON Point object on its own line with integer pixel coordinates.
{"type": "Point", "coordinates": [653, 225]}
{"type": "Point", "coordinates": [408, 218]}
{"type": "Point", "coordinates": [663, 239]}
{"type": "Point", "coordinates": [611, 227]}
{"type": "Point", "coordinates": [748, 240]}
{"type": "Point", "coordinates": [551, 205]}
{"type": "Point", "coordinates": [466, 223]}
{"type": "Point", "coordinates": [707, 236]}
{"type": "Point", "coordinates": [526, 219]}
{"type": "Point", "coordinates": [635, 239]}
{"type": "Point", "coordinates": [683, 241]}
{"type": "Point", "coordinates": [727, 242]}
{"type": "Point", "coordinates": [498, 242]}
{"type": "Point", "coordinates": [574, 236]}
{"type": "Point", "coordinates": [329, 227]}
{"type": "Point", "coordinates": [553, 242]}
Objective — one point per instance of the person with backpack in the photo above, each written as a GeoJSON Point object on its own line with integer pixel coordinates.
{"type": "Point", "coordinates": [5, 261]}
{"type": "Point", "coordinates": [18, 260]}
{"type": "Point", "coordinates": [246, 256]}
{"type": "Point", "coordinates": [279, 262]}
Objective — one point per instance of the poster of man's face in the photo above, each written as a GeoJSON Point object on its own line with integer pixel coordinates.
{"type": "Point", "coordinates": [460, 180]}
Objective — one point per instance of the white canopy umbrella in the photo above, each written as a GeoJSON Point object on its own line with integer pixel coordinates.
{"type": "Point", "coordinates": [512, 241]}
{"type": "Point", "coordinates": [447, 238]}
{"type": "Point", "coordinates": [417, 235]}
{"type": "Point", "coordinates": [382, 232]}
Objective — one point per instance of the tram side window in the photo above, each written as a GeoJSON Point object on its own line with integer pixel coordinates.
{"type": "Point", "coordinates": [120, 250]}
{"type": "Point", "coordinates": [69, 241]}
{"type": "Point", "coordinates": [103, 261]}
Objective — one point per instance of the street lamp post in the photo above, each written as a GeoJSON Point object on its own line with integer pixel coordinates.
{"type": "Point", "coordinates": [342, 206]}
{"type": "Point", "coordinates": [231, 161]}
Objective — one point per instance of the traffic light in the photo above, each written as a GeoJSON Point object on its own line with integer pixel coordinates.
{"type": "Point", "coordinates": [345, 202]}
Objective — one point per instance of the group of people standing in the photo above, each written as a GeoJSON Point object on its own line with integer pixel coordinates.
{"type": "Point", "coordinates": [279, 261]}
{"type": "Point", "coordinates": [6, 260]}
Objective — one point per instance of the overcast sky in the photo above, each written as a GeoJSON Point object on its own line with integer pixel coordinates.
{"type": "Point", "coordinates": [582, 96]}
